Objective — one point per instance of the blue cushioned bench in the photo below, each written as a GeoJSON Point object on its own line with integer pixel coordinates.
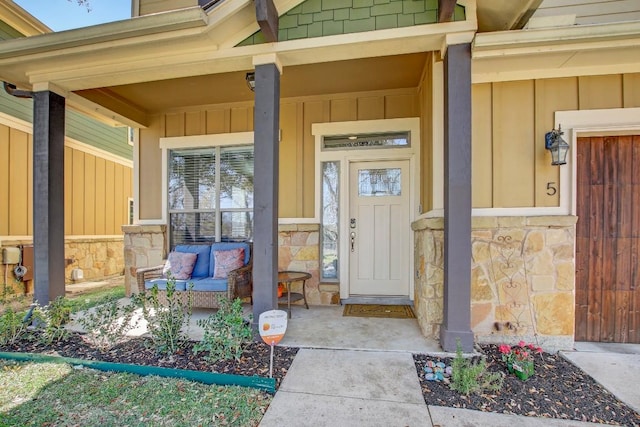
{"type": "Point", "coordinates": [206, 290]}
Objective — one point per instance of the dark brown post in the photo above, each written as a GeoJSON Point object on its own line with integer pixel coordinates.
{"type": "Point", "coordinates": [456, 323]}
{"type": "Point", "coordinates": [48, 195]}
{"type": "Point", "coordinates": [265, 207]}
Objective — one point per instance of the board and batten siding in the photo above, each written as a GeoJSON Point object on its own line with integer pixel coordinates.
{"type": "Point", "coordinates": [510, 120]}
{"type": "Point", "coordinates": [297, 146]}
{"type": "Point", "coordinates": [77, 126]}
{"type": "Point", "coordinates": [96, 189]}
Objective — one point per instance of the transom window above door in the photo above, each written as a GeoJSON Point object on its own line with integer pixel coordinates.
{"type": "Point", "coordinates": [210, 194]}
{"type": "Point", "coordinates": [359, 141]}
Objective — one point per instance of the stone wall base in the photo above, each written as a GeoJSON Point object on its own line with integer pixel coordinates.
{"type": "Point", "coordinates": [98, 257]}
{"type": "Point", "coordinates": [299, 250]}
{"type": "Point", "coordinates": [522, 279]}
{"type": "Point", "coordinates": [144, 246]}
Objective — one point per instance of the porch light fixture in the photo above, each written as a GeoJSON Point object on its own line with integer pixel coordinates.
{"type": "Point", "coordinates": [559, 148]}
{"type": "Point", "coordinates": [251, 81]}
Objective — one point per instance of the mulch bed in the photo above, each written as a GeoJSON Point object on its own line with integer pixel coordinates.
{"type": "Point", "coordinates": [558, 389]}
{"type": "Point", "coordinates": [138, 351]}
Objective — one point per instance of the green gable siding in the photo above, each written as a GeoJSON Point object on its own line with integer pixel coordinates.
{"type": "Point", "coordinates": [77, 126]}
{"type": "Point", "coordinates": [7, 32]}
{"type": "Point", "coordinates": [318, 18]}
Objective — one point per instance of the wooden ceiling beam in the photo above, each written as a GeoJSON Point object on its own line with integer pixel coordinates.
{"type": "Point", "coordinates": [445, 10]}
{"type": "Point", "coordinates": [267, 17]}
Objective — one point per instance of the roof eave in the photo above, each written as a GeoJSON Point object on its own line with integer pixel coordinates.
{"type": "Point", "coordinates": [21, 20]}
{"type": "Point", "coordinates": [556, 52]}
{"type": "Point", "coordinates": [189, 18]}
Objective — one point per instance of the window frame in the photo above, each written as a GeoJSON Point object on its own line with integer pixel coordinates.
{"type": "Point", "coordinates": [216, 141]}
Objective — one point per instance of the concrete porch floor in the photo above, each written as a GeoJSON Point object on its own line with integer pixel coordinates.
{"type": "Point", "coordinates": [325, 327]}
{"type": "Point", "coordinates": [317, 327]}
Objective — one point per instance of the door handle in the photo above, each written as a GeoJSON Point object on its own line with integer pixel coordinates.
{"type": "Point", "coordinates": [353, 240]}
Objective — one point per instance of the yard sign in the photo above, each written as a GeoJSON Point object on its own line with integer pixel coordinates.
{"type": "Point", "coordinates": [272, 325]}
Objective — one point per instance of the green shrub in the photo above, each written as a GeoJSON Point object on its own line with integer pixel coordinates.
{"type": "Point", "coordinates": [225, 332]}
{"type": "Point", "coordinates": [165, 319]}
{"type": "Point", "coordinates": [12, 326]}
{"type": "Point", "coordinates": [472, 377]}
{"type": "Point", "coordinates": [107, 324]}
{"type": "Point", "coordinates": [51, 320]}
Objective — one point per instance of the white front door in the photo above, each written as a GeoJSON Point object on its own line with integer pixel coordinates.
{"type": "Point", "coordinates": [379, 228]}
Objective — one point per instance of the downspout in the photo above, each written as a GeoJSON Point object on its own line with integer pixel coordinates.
{"type": "Point", "coordinates": [12, 90]}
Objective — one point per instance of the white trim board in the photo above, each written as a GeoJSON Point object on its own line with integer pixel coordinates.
{"type": "Point", "coordinates": [347, 156]}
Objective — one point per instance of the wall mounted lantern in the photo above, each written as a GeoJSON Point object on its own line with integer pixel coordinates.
{"type": "Point", "coordinates": [559, 148]}
{"type": "Point", "coordinates": [251, 81]}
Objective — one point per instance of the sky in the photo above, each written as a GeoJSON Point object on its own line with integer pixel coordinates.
{"type": "Point", "coordinates": [62, 15]}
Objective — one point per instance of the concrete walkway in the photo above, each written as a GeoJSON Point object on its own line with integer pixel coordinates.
{"type": "Point", "coordinates": [615, 366]}
{"type": "Point", "coordinates": [348, 388]}
{"type": "Point", "coordinates": [370, 388]}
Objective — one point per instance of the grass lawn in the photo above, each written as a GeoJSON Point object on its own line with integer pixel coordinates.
{"type": "Point", "coordinates": [77, 302]}
{"type": "Point", "coordinates": [33, 394]}
{"type": "Point", "coordinates": [90, 299]}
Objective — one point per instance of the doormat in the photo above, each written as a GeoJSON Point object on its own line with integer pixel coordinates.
{"type": "Point", "coordinates": [378, 310]}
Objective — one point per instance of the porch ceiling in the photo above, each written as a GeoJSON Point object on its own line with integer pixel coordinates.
{"type": "Point", "coordinates": [358, 75]}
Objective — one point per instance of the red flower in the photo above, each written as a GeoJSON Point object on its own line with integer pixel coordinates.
{"type": "Point", "coordinates": [504, 349]}
{"type": "Point", "coordinates": [522, 344]}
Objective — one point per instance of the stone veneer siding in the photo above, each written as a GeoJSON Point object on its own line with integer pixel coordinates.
{"type": "Point", "coordinates": [144, 246]}
{"type": "Point", "coordinates": [98, 256]}
{"type": "Point", "coordinates": [299, 250]}
{"type": "Point", "coordinates": [522, 279]}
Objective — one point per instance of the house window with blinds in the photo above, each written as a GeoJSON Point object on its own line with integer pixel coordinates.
{"type": "Point", "coordinates": [210, 195]}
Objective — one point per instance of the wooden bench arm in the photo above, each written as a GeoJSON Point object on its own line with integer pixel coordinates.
{"type": "Point", "coordinates": [240, 282]}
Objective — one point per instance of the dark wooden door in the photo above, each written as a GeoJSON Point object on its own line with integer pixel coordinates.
{"type": "Point", "coordinates": [608, 239]}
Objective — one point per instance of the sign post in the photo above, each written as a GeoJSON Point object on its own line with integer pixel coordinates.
{"type": "Point", "coordinates": [272, 325]}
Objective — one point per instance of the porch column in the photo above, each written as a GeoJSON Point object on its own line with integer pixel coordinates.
{"type": "Point", "coordinates": [457, 199]}
{"type": "Point", "coordinates": [48, 195]}
{"type": "Point", "coordinates": [265, 202]}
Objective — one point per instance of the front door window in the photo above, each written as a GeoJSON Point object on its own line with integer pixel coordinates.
{"type": "Point", "coordinates": [330, 225]}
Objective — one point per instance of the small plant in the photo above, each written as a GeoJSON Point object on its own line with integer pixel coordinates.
{"type": "Point", "coordinates": [165, 319]}
{"type": "Point", "coordinates": [8, 290]}
{"type": "Point", "coordinates": [225, 332]}
{"type": "Point", "coordinates": [519, 359]}
{"type": "Point", "coordinates": [472, 377]}
{"type": "Point", "coordinates": [51, 320]}
{"type": "Point", "coordinates": [107, 324]}
{"type": "Point", "coordinates": [12, 326]}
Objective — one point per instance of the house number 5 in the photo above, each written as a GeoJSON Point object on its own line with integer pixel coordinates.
{"type": "Point", "coordinates": [551, 188]}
